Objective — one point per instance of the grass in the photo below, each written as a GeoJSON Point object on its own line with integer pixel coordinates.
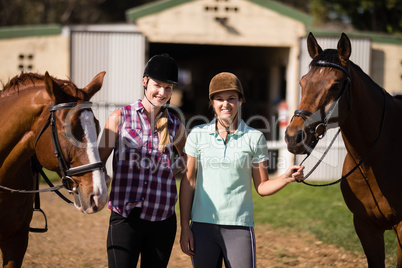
{"type": "Point", "coordinates": [320, 211]}
{"type": "Point", "coordinates": [52, 176]}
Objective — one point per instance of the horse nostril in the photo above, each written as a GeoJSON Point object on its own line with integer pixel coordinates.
{"type": "Point", "coordinates": [300, 136]}
{"type": "Point", "coordinates": [94, 203]}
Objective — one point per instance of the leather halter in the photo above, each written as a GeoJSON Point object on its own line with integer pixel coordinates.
{"type": "Point", "coordinates": [320, 130]}
{"type": "Point", "coordinates": [65, 170]}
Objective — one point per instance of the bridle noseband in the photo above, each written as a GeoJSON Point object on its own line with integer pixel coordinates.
{"type": "Point", "coordinates": [65, 170]}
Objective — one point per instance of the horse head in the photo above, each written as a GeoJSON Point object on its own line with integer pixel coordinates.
{"type": "Point", "coordinates": [67, 142]}
{"type": "Point", "coordinates": [324, 102]}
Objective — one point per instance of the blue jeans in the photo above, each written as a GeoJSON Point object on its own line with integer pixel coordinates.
{"type": "Point", "coordinates": [129, 237]}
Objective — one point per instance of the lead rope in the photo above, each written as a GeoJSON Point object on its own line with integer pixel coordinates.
{"type": "Point", "coordinates": [319, 162]}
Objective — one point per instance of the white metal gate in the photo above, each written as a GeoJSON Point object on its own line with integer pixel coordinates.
{"type": "Point", "coordinates": [331, 167]}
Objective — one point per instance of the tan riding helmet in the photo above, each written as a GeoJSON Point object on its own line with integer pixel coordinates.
{"type": "Point", "coordinates": [225, 82]}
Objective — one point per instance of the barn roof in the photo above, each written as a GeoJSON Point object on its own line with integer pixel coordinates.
{"type": "Point", "coordinates": [26, 31]}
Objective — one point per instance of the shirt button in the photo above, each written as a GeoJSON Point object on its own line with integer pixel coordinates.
{"type": "Point", "coordinates": [146, 183]}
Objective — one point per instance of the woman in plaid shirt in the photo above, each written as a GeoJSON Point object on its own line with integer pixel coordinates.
{"type": "Point", "coordinates": [143, 191]}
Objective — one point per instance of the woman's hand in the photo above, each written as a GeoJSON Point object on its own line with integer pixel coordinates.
{"type": "Point", "coordinates": [295, 173]}
{"type": "Point", "coordinates": [187, 241]}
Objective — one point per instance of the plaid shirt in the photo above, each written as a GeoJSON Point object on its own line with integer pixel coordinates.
{"type": "Point", "coordinates": [142, 176]}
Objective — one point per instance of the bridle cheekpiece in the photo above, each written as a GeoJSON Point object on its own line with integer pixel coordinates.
{"type": "Point", "coordinates": [321, 128]}
{"type": "Point", "coordinates": [65, 170]}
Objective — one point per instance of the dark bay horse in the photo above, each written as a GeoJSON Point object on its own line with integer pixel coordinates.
{"type": "Point", "coordinates": [336, 92]}
{"type": "Point", "coordinates": [44, 116]}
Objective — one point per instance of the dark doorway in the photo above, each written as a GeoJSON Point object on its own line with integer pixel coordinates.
{"type": "Point", "coordinates": [199, 63]}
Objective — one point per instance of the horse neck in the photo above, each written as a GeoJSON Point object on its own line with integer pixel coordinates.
{"type": "Point", "coordinates": [363, 123]}
{"type": "Point", "coordinates": [21, 115]}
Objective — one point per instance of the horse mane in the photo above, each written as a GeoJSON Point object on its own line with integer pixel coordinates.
{"type": "Point", "coordinates": [24, 80]}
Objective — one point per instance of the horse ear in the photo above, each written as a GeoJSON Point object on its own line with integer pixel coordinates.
{"type": "Point", "coordinates": [344, 48]}
{"type": "Point", "coordinates": [51, 86]}
{"type": "Point", "coordinates": [95, 85]}
{"type": "Point", "coordinates": [313, 47]}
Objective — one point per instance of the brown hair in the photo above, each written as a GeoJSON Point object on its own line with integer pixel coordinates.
{"type": "Point", "coordinates": [163, 130]}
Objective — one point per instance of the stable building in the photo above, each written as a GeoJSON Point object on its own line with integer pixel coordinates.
{"type": "Point", "coordinates": [263, 42]}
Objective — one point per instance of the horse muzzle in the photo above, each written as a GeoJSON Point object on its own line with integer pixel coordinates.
{"type": "Point", "coordinates": [302, 135]}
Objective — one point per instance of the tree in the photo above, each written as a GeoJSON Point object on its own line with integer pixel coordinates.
{"type": "Point", "coordinates": [366, 15]}
{"type": "Point", "coordinates": [372, 15]}
{"type": "Point", "coordinates": [22, 12]}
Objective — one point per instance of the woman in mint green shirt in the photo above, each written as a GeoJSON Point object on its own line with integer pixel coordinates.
{"type": "Point", "coordinates": [223, 158]}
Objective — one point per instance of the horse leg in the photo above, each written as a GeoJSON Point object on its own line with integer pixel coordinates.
{"type": "Point", "coordinates": [372, 240]}
{"type": "Point", "coordinates": [398, 232]}
{"type": "Point", "coordinates": [14, 249]}
{"type": "Point", "coordinates": [15, 245]}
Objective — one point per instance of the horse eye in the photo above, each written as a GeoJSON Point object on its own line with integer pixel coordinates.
{"type": "Point", "coordinates": [334, 87]}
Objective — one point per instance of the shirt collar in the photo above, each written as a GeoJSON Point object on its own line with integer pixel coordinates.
{"type": "Point", "coordinates": [138, 106]}
{"type": "Point", "coordinates": [241, 128]}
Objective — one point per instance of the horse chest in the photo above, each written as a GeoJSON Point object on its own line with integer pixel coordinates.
{"type": "Point", "coordinates": [365, 199]}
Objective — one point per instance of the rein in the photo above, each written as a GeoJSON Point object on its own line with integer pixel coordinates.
{"type": "Point", "coordinates": [322, 126]}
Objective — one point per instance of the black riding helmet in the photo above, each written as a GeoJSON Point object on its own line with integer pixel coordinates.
{"type": "Point", "coordinates": [162, 68]}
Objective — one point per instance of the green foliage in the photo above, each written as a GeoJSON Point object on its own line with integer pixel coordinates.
{"type": "Point", "coordinates": [22, 12]}
{"type": "Point", "coordinates": [373, 15]}
{"type": "Point", "coordinates": [320, 211]}
{"type": "Point", "coordinates": [367, 15]}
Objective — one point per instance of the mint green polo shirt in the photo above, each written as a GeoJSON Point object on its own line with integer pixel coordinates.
{"type": "Point", "coordinates": [223, 192]}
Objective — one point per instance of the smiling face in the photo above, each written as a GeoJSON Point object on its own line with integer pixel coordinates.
{"type": "Point", "coordinates": [158, 93]}
{"type": "Point", "coordinates": [226, 104]}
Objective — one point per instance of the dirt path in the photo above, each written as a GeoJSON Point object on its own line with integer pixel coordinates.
{"type": "Point", "coordinates": [78, 240]}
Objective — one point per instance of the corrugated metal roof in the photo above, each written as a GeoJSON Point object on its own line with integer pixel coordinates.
{"type": "Point", "coordinates": [27, 31]}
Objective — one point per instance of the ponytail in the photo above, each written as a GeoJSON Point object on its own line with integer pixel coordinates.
{"type": "Point", "coordinates": [163, 131]}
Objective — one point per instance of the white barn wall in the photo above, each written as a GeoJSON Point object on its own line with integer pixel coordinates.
{"type": "Point", "coordinates": [49, 53]}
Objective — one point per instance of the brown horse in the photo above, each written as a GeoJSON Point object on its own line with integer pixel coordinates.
{"type": "Point", "coordinates": [336, 92]}
{"type": "Point", "coordinates": [44, 116]}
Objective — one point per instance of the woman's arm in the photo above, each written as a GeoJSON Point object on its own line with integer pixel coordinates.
{"type": "Point", "coordinates": [109, 136]}
{"type": "Point", "coordinates": [179, 142]}
{"type": "Point", "coordinates": [264, 186]}
{"type": "Point", "coordinates": [187, 187]}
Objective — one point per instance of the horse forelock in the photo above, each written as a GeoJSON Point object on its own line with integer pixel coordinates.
{"type": "Point", "coordinates": [329, 55]}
